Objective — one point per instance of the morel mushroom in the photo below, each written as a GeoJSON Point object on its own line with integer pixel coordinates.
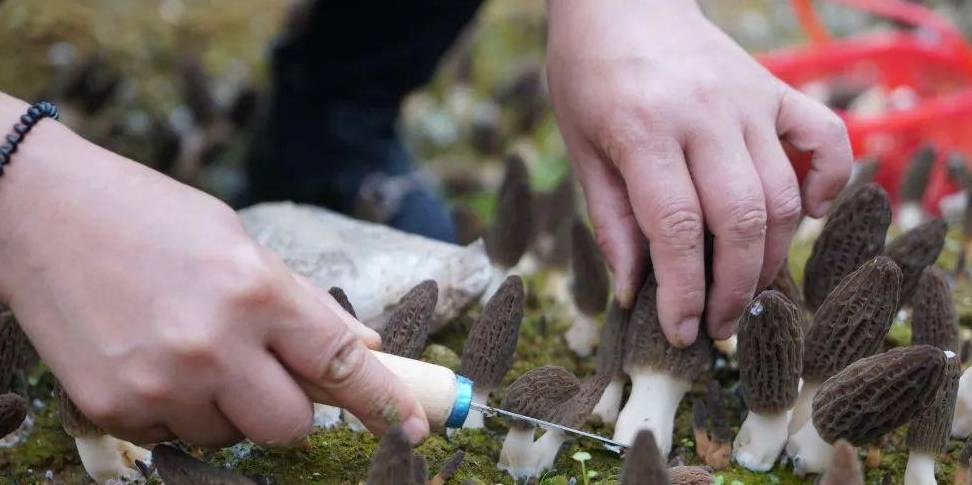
{"type": "Point", "coordinates": [508, 237]}
{"type": "Point", "coordinates": [711, 428]}
{"type": "Point", "coordinates": [787, 285]}
{"type": "Point", "coordinates": [325, 415]}
{"type": "Point", "coordinates": [866, 400]}
{"type": "Point", "coordinates": [845, 468]}
{"type": "Point", "coordinates": [538, 394]}
{"type": "Point", "coordinates": [851, 324]}
{"type": "Point", "coordinates": [770, 361]}
{"type": "Point", "coordinates": [13, 411]}
{"type": "Point", "coordinates": [644, 463]}
{"type": "Point", "coordinates": [912, 189]}
{"type": "Point", "coordinates": [393, 462]}
{"type": "Point", "coordinates": [929, 430]}
{"type": "Point", "coordinates": [590, 289]}
{"type": "Point", "coordinates": [962, 475]}
{"type": "Point", "coordinates": [572, 414]}
{"type": "Point", "coordinates": [660, 373]}
{"type": "Point", "coordinates": [610, 355]}
{"type": "Point", "coordinates": [178, 468]}
{"type": "Point", "coordinates": [408, 327]}
{"type": "Point", "coordinates": [553, 213]}
{"type": "Point", "coordinates": [487, 354]}
{"type": "Point", "coordinates": [448, 468]}
{"type": "Point", "coordinates": [914, 251]}
{"type": "Point", "coordinates": [342, 299]}
{"type": "Point", "coordinates": [104, 457]}
{"type": "Point", "coordinates": [933, 320]}
{"type": "Point", "coordinates": [853, 234]}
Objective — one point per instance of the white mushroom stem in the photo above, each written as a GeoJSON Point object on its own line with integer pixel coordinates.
{"type": "Point", "coordinates": [654, 399]}
{"type": "Point", "coordinates": [497, 277]}
{"type": "Point", "coordinates": [803, 406]}
{"type": "Point", "coordinates": [353, 422]}
{"type": "Point", "coordinates": [516, 457]}
{"type": "Point", "coordinates": [326, 416]}
{"type": "Point", "coordinates": [920, 469]}
{"type": "Point", "coordinates": [760, 440]}
{"type": "Point", "coordinates": [546, 448]}
{"type": "Point", "coordinates": [107, 458]}
{"type": "Point", "coordinates": [962, 420]}
{"type": "Point", "coordinates": [727, 347]}
{"type": "Point", "coordinates": [583, 333]}
{"type": "Point", "coordinates": [609, 405]}
{"type": "Point", "coordinates": [475, 420]}
{"type": "Point", "coordinates": [809, 452]}
{"type": "Point", "coordinates": [557, 286]}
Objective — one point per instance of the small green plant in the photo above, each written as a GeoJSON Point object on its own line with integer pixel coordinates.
{"type": "Point", "coordinates": [586, 475]}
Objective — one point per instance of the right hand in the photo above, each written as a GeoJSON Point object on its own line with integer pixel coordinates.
{"type": "Point", "coordinates": [162, 318]}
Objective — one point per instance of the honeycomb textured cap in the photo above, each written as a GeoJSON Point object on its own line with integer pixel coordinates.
{"type": "Point", "coordinates": [342, 298]}
{"type": "Point", "coordinates": [845, 469]}
{"type": "Point", "coordinates": [770, 353]}
{"type": "Point", "coordinates": [74, 423]}
{"type": "Point", "coordinates": [177, 467]}
{"type": "Point", "coordinates": [590, 286]}
{"type": "Point", "coordinates": [540, 391]}
{"type": "Point", "coordinates": [787, 285]}
{"type": "Point", "coordinates": [933, 321]}
{"type": "Point", "coordinates": [646, 345]}
{"type": "Point", "coordinates": [690, 475]}
{"type": "Point", "coordinates": [407, 328]}
{"type": "Point", "coordinates": [643, 462]}
{"type": "Point", "coordinates": [575, 411]}
{"type": "Point", "coordinates": [914, 251]}
{"type": "Point", "coordinates": [610, 347]}
{"type": "Point", "coordinates": [853, 234]}
{"type": "Point", "coordinates": [877, 394]}
{"type": "Point", "coordinates": [853, 321]}
{"type": "Point", "coordinates": [930, 430]}
{"type": "Point", "coordinates": [487, 354]}
{"type": "Point", "coordinates": [13, 411]}
{"type": "Point", "coordinates": [393, 462]}
{"type": "Point", "coordinates": [508, 237]}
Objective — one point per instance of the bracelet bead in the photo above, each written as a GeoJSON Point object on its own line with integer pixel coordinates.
{"type": "Point", "coordinates": [34, 114]}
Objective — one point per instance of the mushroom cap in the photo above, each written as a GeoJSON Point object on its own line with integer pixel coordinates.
{"type": "Point", "coordinates": [408, 326]}
{"type": "Point", "coordinates": [74, 423]}
{"type": "Point", "coordinates": [540, 391]}
{"type": "Point", "coordinates": [487, 354]}
{"type": "Point", "coordinates": [451, 465]}
{"type": "Point", "coordinates": [590, 285]}
{"type": "Point", "coordinates": [853, 320]}
{"type": "Point", "coordinates": [770, 353]}
{"type": "Point", "coordinates": [646, 345]}
{"type": "Point", "coordinates": [610, 347]}
{"type": "Point", "coordinates": [643, 462]}
{"type": "Point", "coordinates": [508, 237]}
{"type": "Point", "coordinates": [877, 394]}
{"type": "Point", "coordinates": [393, 462]}
{"type": "Point", "coordinates": [930, 430]}
{"type": "Point", "coordinates": [716, 409]}
{"type": "Point", "coordinates": [787, 285]}
{"type": "Point", "coordinates": [13, 411]}
{"type": "Point", "coordinates": [933, 321]}
{"type": "Point", "coordinates": [342, 298]}
{"type": "Point", "coordinates": [914, 251]}
{"type": "Point", "coordinates": [179, 468]}
{"type": "Point", "coordinates": [575, 411]}
{"type": "Point", "coordinates": [845, 469]}
{"type": "Point", "coordinates": [17, 355]}
{"type": "Point", "coordinates": [916, 176]}
{"type": "Point", "coordinates": [690, 475]}
{"type": "Point", "coordinates": [853, 234]}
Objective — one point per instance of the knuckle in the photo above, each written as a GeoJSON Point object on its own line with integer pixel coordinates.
{"type": "Point", "coordinates": [747, 222]}
{"type": "Point", "coordinates": [196, 345]}
{"type": "Point", "coordinates": [705, 88]}
{"type": "Point", "coordinates": [680, 226]}
{"type": "Point", "coordinates": [786, 206]}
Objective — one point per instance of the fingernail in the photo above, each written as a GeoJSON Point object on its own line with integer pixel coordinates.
{"type": "Point", "coordinates": [416, 428]}
{"type": "Point", "coordinates": [686, 332]}
{"type": "Point", "coordinates": [824, 208]}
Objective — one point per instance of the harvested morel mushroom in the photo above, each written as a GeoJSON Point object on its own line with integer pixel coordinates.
{"type": "Point", "coordinates": [929, 430]}
{"type": "Point", "coordinates": [104, 457]}
{"type": "Point", "coordinates": [644, 463]}
{"type": "Point", "coordinates": [178, 468]}
{"type": "Point", "coordinates": [914, 181]}
{"type": "Point", "coordinates": [914, 251]}
{"type": "Point", "coordinates": [770, 362]}
{"type": "Point", "coordinates": [660, 373]}
{"type": "Point", "coordinates": [408, 327]}
{"type": "Point", "coordinates": [610, 355]}
{"type": "Point", "coordinates": [487, 354]}
{"type": "Point", "coordinates": [508, 237]}
{"type": "Point", "coordinates": [868, 399]}
{"type": "Point", "coordinates": [590, 288]}
{"type": "Point", "coordinates": [538, 393]}
{"type": "Point", "coordinates": [851, 324]}
{"type": "Point", "coordinates": [13, 411]}
{"type": "Point", "coordinates": [845, 468]}
{"type": "Point", "coordinates": [853, 234]}
{"type": "Point", "coordinates": [393, 462]}
{"type": "Point", "coordinates": [933, 321]}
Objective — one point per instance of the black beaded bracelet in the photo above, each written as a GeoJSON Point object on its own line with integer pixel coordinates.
{"type": "Point", "coordinates": [34, 114]}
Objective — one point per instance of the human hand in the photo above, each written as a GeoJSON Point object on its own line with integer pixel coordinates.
{"type": "Point", "coordinates": [162, 318]}
{"type": "Point", "coordinates": [672, 128]}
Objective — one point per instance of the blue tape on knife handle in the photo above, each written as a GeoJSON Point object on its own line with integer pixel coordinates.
{"type": "Point", "coordinates": [460, 408]}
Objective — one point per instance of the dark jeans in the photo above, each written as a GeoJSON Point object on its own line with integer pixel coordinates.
{"type": "Point", "coordinates": [340, 73]}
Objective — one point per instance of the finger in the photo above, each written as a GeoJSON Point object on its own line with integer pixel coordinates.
{"type": "Point", "coordinates": [265, 403]}
{"type": "Point", "coordinates": [615, 227]}
{"type": "Point", "coordinates": [319, 348]}
{"type": "Point", "coordinates": [735, 211]}
{"type": "Point", "coordinates": [782, 194]}
{"type": "Point", "coordinates": [367, 335]}
{"type": "Point", "coordinates": [811, 127]}
{"type": "Point", "coordinates": [203, 424]}
{"type": "Point", "coordinates": [668, 213]}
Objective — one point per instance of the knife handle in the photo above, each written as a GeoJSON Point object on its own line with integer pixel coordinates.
{"type": "Point", "coordinates": [443, 394]}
